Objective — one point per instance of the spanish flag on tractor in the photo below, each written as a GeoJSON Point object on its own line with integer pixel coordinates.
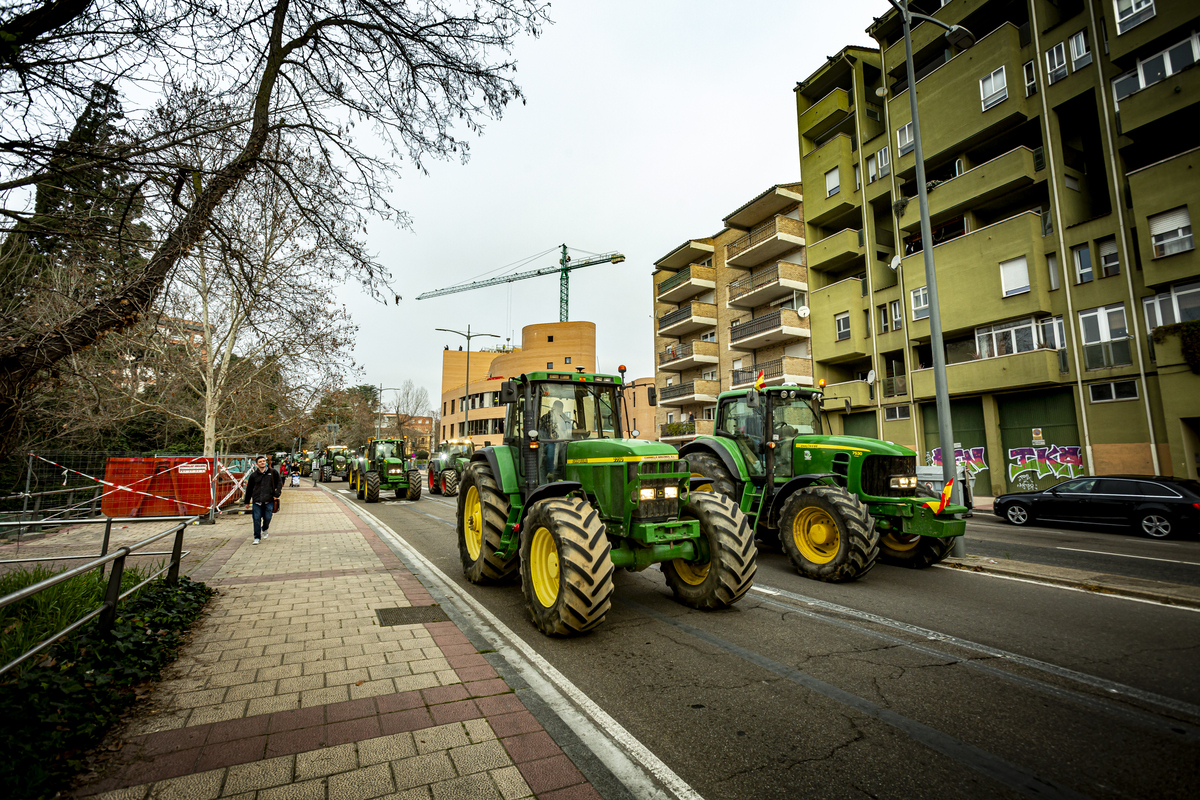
{"type": "Point", "coordinates": [759, 382]}
{"type": "Point", "coordinates": [938, 506]}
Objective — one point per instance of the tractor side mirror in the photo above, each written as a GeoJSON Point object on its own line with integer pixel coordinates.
{"type": "Point", "coordinates": [652, 395]}
{"type": "Point", "coordinates": [509, 392]}
{"type": "Point", "coordinates": [752, 399]}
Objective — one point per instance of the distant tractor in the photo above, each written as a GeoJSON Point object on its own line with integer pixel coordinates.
{"type": "Point", "coordinates": [304, 462]}
{"type": "Point", "coordinates": [836, 503]}
{"type": "Point", "coordinates": [334, 462]}
{"type": "Point", "coordinates": [385, 466]}
{"type": "Point", "coordinates": [567, 501]}
{"type": "Point", "coordinates": [446, 466]}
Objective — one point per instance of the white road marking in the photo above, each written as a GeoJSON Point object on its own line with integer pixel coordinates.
{"type": "Point", "coordinates": [618, 749]}
{"type": "Point", "coordinates": [1067, 588]}
{"type": "Point", "coordinates": [345, 491]}
{"type": "Point", "coordinates": [1126, 555]}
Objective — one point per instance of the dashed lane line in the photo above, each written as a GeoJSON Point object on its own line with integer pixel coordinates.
{"type": "Point", "coordinates": [966, 569]}
{"type": "Point", "coordinates": [1126, 555]}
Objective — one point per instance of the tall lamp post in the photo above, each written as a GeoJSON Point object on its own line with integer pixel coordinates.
{"type": "Point", "coordinates": [962, 38]}
{"type": "Point", "coordinates": [467, 386]}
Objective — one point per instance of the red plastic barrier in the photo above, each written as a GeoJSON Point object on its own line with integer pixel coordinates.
{"type": "Point", "coordinates": [160, 487]}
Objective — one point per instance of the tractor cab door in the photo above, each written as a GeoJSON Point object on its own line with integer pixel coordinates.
{"type": "Point", "coordinates": [746, 426]}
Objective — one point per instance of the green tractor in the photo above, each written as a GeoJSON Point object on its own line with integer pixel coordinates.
{"type": "Point", "coordinates": [334, 462]}
{"type": "Point", "coordinates": [446, 466]}
{"type": "Point", "coordinates": [566, 501]}
{"type": "Point", "coordinates": [383, 465]}
{"type": "Point", "coordinates": [835, 503]}
{"type": "Point", "coordinates": [305, 463]}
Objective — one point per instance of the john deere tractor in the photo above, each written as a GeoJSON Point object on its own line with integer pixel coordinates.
{"type": "Point", "coordinates": [334, 462]}
{"type": "Point", "coordinates": [447, 464]}
{"type": "Point", "coordinates": [383, 466]}
{"type": "Point", "coordinates": [836, 503]}
{"type": "Point", "coordinates": [566, 501]}
{"type": "Point", "coordinates": [304, 462]}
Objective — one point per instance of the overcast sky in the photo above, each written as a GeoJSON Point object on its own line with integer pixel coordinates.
{"type": "Point", "coordinates": [646, 123]}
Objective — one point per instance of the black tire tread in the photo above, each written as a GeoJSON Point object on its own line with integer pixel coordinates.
{"type": "Point", "coordinates": [733, 561]}
{"type": "Point", "coordinates": [372, 488]}
{"type": "Point", "coordinates": [711, 467]}
{"type": "Point", "coordinates": [414, 486]}
{"type": "Point", "coordinates": [859, 549]}
{"type": "Point", "coordinates": [929, 551]}
{"type": "Point", "coordinates": [585, 566]}
{"type": "Point", "coordinates": [489, 568]}
{"type": "Point", "coordinates": [449, 482]}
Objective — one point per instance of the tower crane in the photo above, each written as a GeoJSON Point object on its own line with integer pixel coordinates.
{"type": "Point", "coordinates": [565, 265]}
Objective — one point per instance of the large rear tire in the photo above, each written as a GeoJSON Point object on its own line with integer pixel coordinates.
{"type": "Point", "coordinates": [482, 514]}
{"type": "Point", "coordinates": [414, 486]}
{"type": "Point", "coordinates": [915, 552]}
{"type": "Point", "coordinates": [709, 466]}
{"type": "Point", "coordinates": [449, 482]}
{"type": "Point", "coordinates": [372, 490]}
{"type": "Point", "coordinates": [326, 474]}
{"type": "Point", "coordinates": [566, 566]}
{"type": "Point", "coordinates": [356, 486]}
{"type": "Point", "coordinates": [828, 534]}
{"type": "Point", "coordinates": [726, 572]}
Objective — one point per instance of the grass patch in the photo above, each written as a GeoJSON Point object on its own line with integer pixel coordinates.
{"type": "Point", "coordinates": [59, 704]}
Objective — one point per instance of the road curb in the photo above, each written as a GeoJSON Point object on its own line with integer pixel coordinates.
{"type": "Point", "coordinates": [1172, 594]}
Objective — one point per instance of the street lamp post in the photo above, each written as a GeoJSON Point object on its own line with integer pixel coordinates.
{"type": "Point", "coordinates": [467, 386]}
{"type": "Point", "coordinates": [379, 412]}
{"type": "Point", "coordinates": [960, 37]}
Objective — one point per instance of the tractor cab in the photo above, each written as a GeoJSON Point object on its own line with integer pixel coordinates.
{"type": "Point", "coordinates": [759, 422]}
{"type": "Point", "coordinates": [381, 450]}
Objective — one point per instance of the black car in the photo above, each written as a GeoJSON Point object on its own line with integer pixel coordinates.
{"type": "Point", "coordinates": [1157, 507]}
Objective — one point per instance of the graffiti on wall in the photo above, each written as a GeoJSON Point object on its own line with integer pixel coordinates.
{"type": "Point", "coordinates": [972, 458]}
{"type": "Point", "coordinates": [1027, 464]}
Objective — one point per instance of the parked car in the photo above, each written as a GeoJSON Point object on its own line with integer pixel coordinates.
{"type": "Point", "coordinates": [1155, 506]}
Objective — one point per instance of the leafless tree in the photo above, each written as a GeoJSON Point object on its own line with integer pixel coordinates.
{"type": "Point", "coordinates": [411, 401]}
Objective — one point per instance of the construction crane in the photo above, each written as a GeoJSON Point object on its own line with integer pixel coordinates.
{"type": "Point", "coordinates": [565, 265]}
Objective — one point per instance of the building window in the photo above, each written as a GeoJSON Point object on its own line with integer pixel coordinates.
{"type": "Point", "coordinates": [1030, 70]}
{"type": "Point", "coordinates": [884, 318]}
{"type": "Point", "coordinates": [872, 172]}
{"type": "Point", "coordinates": [1056, 63]}
{"type": "Point", "coordinates": [1081, 55]}
{"type": "Point", "coordinates": [857, 178]}
{"type": "Point", "coordinates": [549, 365]}
{"type": "Point", "coordinates": [710, 375]}
{"type": "Point", "coordinates": [897, 315]}
{"type": "Point", "coordinates": [1131, 13]}
{"type": "Point", "coordinates": [452, 406]}
{"type": "Point", "coordinates": [1113, 390]}
{"type": "Point", "coordinates": [549, 338]}
{"type": "Point", "coordinates": [1110, 263]}
{"type": "Point", "coordinates": [1014, 276]}
{"type": "Point", "coordinates": [893, 413]}
{"type": "Point", "coordinates": [993, 89]}
{"type": "Point", "coordinates": [1006, 338]}
{"type": "Point", "coordinates": [904, 139]}
{"type": "Point", "coordinates": [1071, 182]}
{"type": "Point", "coordinates": [709, 336]}
{"type": "Point", "coordinates": [1105, 337]}
{"type": "Point", "coordinates": [832, 183]}
{"type": "Point", "coordinates": [841, 325]}
{"type": "Point", "coordinates": [670, 417]}
{"type": "Point", "coordinates": [1180, 304]}
{"type": "Point", "coordinates": [567, 360]}
{"type": "Point", "coordinates": [1083, 263]}
{"type": "Point", "coordinates": [1171, 233]}
{"type": "Point", "coordinates": [710, 412]}
{"type": "Point", "coordinates": [1157, 67]}
{"type": "Point", "coordinates": [920, 303]}
{"type": "Point", "coordinates": [1052, 270]}
{"type": "Point", "coordinates": [883, 159]}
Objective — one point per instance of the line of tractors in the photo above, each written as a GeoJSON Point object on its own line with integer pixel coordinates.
{"type": "Point", "coordinates": [571, 495]}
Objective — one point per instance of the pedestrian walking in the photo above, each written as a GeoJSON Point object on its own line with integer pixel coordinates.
{"type": "Point", "coordinates": [262, 494]}
{"type": "Point", "coordinates": [283, 473]}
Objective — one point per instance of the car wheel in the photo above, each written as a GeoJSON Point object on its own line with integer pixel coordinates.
{"type": "Point", "coordinates": [1018, 514]}
{"type": "Point", "coordinates": [1155, 525]}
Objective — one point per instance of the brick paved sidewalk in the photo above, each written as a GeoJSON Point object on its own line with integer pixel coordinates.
{"type": "Point", "coordinates": [292, 687]}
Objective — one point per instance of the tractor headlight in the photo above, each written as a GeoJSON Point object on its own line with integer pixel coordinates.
{"type": "Point", "coordinates": [903, 482]}
{"type": "Point", "coordinates": [671, 492]}
{"type": "Point", "coordinates": [646, 494]}
{"type": "Point", "coordinates": [395, 470]}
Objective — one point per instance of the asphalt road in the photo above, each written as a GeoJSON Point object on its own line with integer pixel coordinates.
{"type": "Point", "coordinates": [1115, 551]}
{"type": "Point", "coordinates": [904, 684]}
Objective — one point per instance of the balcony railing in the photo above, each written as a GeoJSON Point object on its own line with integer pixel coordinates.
{"type": "Point", "coordinates": [756, 326]}
{"type": "Point", "coordinates": [678, 315]}
{"type": "Point", "coordinates": [751, 282]}
{"type": "Point", "coordinates": [668, 429]}
{"type": "Point", "coordinates": [682, 390]}
{"type": "Point", "coordinates": [895, 387]}
{"type": "Point", "coordinates": [1101, 355]}
{"type": "Point", "coordinates": [675, 353]}
{"type": "Point", "coordinates": [683, 276]}
{"type": "Point", "coordinates": [755, 236]}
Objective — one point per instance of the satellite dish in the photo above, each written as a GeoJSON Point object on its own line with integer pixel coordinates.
{"type": "Point", "coordinates": [802, 312]}
{"type": "Point", "coordinates": [895, 263]}
{"type": "Point", "coordinates": [871, 376]}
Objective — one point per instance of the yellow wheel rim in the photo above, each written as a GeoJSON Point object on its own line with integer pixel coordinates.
{"type": "Point", "coordinates": [473, 523]}
{"type": "Point", "coordinates": [816, 535]}
{"type": "Point", "coordinates": [902, 542]}
{"type": "Point", "coordinates": [543, 567]}
{"type": "Point", "coordinates": [704, 487]}
{"type": "Point", "coordinates": [690, 572]}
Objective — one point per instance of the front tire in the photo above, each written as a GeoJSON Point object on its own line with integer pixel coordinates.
{"type": "Point", "coordinates": [915, 552]}
{"type": "Point", "coordinates": [828, 534]}
{"type": "Point", "coordinates": [435, 486]}
{"type": "Point", "coordinates": [566, 566]}
{"type": "Point", "coordinates": [727, 572]}
{"type": "Point", "coordinates": [414, 486]}
{"type": "Point", "coordinates": [482, 515]}
{"type": "Point", "coordinates": [326, 474]}
{"type": "Point", "coordinates": [450, 482]}
{"type": "Point", "coordinates": [1155, 524]}
{"type": "Point", "coordinates": [1018, 514]}
{"type": "Point", "coordinates": [372, 490]}
{"type": "Point", "coordinates": [356, 485]}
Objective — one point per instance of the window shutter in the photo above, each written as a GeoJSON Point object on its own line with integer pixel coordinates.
{"type": "Point", "coordinates": [831, 180]}
{"type": "Point", "coordinates": [1014, 275]}
{"type": "Point", "coordinates": [1171, 220]}
{"type": "Point", "coordinates": [1108, 248]}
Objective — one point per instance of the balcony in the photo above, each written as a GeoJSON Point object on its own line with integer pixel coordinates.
{"type": "Point", "coordinates": [859, 393]}
{"type": "Point", "coordinates": [683, 431]}
{"type": "Point", "coordinates": [688, 318]}
{"type": "Point", "coordinates": [845, 296]}
{"type": "Point", "coordinates": [1107, 355]}
{"type": "Point", "coordinates": [772, 239]}
{"type": "Point", "coordinates": [836, 251]}
{"type": "Point", "coordinates": [687, 283]}
{"type": "Point", "coordinates": [1169, 96]}
{"type": "Point", "coordinates": [678, 358]}
{"type": "Point", "coordinates": [820, 209]}
{"type": "Point", "coordinates": [1017, 371]}
{"type": "Point", "coordinates": [1162, 187]}
{"type": "Point", "coordinates": [928, 36]}
{"type": "Point", "coordinates": [826, 114]}
{"type": "Point", "coordinates": [773, 328]}
{"type": "Point", "coordinates": [1004, 174]}
{"type": "Point", "coordinates": [690, 393]}
{"type": "Point", "coordinates": [767, 284]}
{"type": "Point", "coordinates": [775, 373]}
{"type": "Point", "coordinates": [896, 386]}
{"type": "Point", "coordinates": [689, 252]}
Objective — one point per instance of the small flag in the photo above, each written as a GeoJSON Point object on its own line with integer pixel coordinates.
{"type": "Point", "coordinates": [938, 506]}
{"type": "Point", "coordinates": [759, 383]}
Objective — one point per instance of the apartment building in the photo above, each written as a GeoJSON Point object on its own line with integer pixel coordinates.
{"type": "Point", "coordinates": [729, 306]}
{"type": "Point", "coordinates": [1062, 172]}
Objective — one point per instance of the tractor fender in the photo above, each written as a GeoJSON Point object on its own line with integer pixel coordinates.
{"type": "Point", "coordinates": [716, 447]}
{"type": "Point", "coordinates": [505, 474]}
{"type": "Point", "coordinates": [548, 490]}
{"type": "Point", "coordinates": [794, 485]}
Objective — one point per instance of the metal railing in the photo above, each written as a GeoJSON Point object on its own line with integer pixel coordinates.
{"type": "Point", "coordinates": [756, 326]}
{"type": "Point", "coordinates": [752, 282]}
{"type": "Point", "coordinates": [675, 353]}
{"type": "Point", "coordinates": [681, 390]}
{"type": "Point", "coordinates": [895, 387]}
{"type": "Point", "coordinates": [673, 317]}
{"type": "Point", "coordinates": [756, 236]}
{"type": "Point", "coordinates": [668, 429]}
{"type": "Point", "coordinates": [683, 276]}
{"type": "Point", "coordinates": [1100, 355]}
{"type": "Point", "coordinates": [107, 612]}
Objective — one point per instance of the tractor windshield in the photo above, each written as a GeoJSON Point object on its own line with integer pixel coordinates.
{"type": "Point", "coordinates": [572, 411]}
{"type": "Point", "coordinates": [794, 417]}
{"type": "Point", "coordinates": [385, 450]}
{"type": "Point", "coordinates": [745, 425]}
{"type": "Point", "coordinates": [459, 449]}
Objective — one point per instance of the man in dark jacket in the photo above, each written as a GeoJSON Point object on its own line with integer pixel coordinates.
{"type": "Point", "coordinates": [262, 487]}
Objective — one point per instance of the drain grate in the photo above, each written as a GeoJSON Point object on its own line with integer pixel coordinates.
{"type": "Point", "coordinates": [413, 615]}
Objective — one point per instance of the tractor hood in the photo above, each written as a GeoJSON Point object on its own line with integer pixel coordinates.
{"type": "Point", "coordinates": [859, 443]}
{"type": "Point", "coordinates": [591, 451]}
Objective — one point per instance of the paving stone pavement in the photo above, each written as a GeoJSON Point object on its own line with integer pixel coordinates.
{"type": "Point", "coordinates": [292, 688]}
